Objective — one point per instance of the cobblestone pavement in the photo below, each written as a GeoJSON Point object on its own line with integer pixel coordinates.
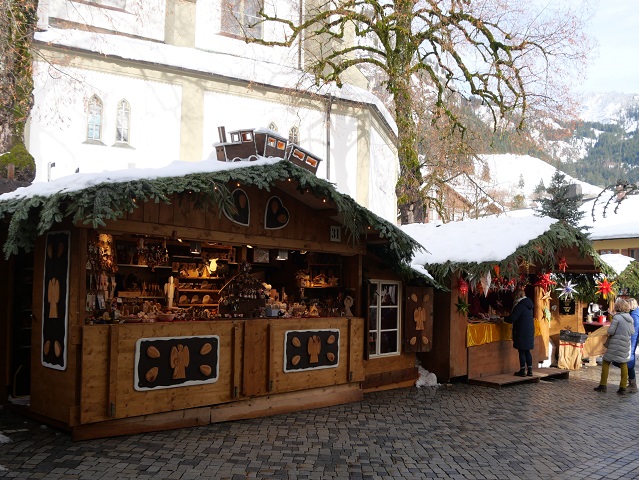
{"type": "Point", "coordinates": [559, 429]}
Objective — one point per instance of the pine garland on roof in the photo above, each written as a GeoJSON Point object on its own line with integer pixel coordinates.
{"type": "Point", "coordinates": [540, 252]}
{"type": "Point", "coordinates": [95, 205]}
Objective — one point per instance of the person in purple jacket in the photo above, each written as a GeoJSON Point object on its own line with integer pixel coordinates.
{"type": "Point", "coordinates": [523, 323]}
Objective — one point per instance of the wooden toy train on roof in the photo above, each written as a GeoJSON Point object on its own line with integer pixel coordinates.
{"type": "Point", "coordinates": [250, 144]}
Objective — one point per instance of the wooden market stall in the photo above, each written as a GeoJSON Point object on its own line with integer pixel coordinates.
{"type": "Point", "coordinates": [210, 294]}
{"type": "Point", "coordinates": [481, 262]}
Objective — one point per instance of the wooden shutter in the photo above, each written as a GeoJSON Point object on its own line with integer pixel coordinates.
{"type": "Point", "coordinates": [418, 319]}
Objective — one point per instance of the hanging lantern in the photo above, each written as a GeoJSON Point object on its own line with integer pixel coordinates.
{"type": "Point", "coordinates": [485, 281]}
{"type": "Point", "coordinates": [463, 287]}
{"type": "Point", "coordinates": [567, 290]}
{"type": "Point", "coordinates": [563, 265]}
{"type": "Point", "coordinates": [544, 281]}
{"type": "Point", "coordinates": [462, 305]}
{"type": "Point", "coordinates": [605, 288]}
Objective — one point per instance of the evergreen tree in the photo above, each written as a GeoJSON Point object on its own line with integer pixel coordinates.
{"type": "Point", "coordinates": [561, 204]}
{"type": "Point", "coordinates": [540, 188]}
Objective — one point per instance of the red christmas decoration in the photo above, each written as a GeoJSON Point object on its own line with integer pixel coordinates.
{"type": "Point", "coordinates": [563, 265]}
{"type": "Point", "coordinates": [496, 268]}
{"type": "Point", "coordinates": [545, 281]}
{"type": "Point", "coordinates": [605, 288]}
{"type": "Point", "coordinates": [463, 287]}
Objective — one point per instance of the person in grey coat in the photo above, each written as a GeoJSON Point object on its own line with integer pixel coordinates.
{"type": "Point", "coordinates": [619, 340]}
{"type": "Point", "coordinates": [523, 322]}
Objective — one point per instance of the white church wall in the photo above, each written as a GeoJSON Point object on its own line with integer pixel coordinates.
{"type": "Point", "coordinates": [208, 35]}
{"type": "Point", "coordinates": [383, 175]}
{"type": "Point", "coordinates": [143, 18]}
{"type": "Point", "coordinates": [237, 112]}
{"type": "Point", "coordinates": [58, 125]}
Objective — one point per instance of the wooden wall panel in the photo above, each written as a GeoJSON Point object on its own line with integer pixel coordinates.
{"type": "Point", "coordinates": [307, 228]}
{"type": "Point", "coordinates": [255, 354]}
{"type": "Point", "coordinates": [388, 364]}
{"type": "Point", "coordinates": [55, 393]}
{"type": "Point", "coordinates": [294, 381]}
{"type": "Point", "coordinates": [103, 383]}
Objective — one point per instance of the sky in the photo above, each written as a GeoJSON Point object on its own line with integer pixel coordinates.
{"type": "Point", "coordinates": [615, 65]}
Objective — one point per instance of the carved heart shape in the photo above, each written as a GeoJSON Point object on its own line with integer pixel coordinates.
{"type": "Point", "coordinates": [276, 215]}
{"type": "Point", "coordinates": [242, 215]}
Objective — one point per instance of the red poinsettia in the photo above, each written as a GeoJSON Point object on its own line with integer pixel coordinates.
{"type": "Point", "coordinates": [605, 288]}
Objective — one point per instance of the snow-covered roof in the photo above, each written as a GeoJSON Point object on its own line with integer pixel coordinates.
{"type": "Point", "coordinates": [617, 261]}
{"type": "Point", "coordinates": [622, 224]}
{"type": "Point", "coordinates": [80, 181]}
{"type": "Point", "coordinates": [224, 65]}
{"type": "Point", "coordinates": [489, 239]}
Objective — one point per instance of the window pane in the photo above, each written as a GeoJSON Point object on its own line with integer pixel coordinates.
{"type": "Point", "coordinates": [389, 318]}
{"type": "Point", "coordinates": [388, 342]}
{"type": "Point", "coordinates": [94, 122]}
{"type": "Point", "coordinates": [372, 343]}
{"type": "Point", "coordinates": [389, 294]}
{"type": "Point", "coordinates": [372, 315]}
{"type": "Point", "coordinates": [372, 293]}
{"type": "Point", "coordinates": [122, 122]}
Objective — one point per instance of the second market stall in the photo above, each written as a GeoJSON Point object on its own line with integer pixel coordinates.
{"type": "Point", "coordinates": [482, 262]}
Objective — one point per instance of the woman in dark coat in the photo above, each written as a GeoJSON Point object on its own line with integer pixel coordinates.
{"type": "Point", "coordinates": [523, 331]}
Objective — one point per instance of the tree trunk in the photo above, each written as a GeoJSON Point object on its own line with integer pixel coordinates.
{"type": "Point", "coordinates": [409, 198]}
{"type": "Point", "coordinates": [17, 25]}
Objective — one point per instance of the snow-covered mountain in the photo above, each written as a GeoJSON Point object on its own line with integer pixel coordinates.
{"type": "Point", "coordinates": [611, 107]}
{"type": "Point", "coordinates": [520, 175]}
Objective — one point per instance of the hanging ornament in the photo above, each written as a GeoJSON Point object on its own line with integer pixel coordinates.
{"type": "Point", "coordinates": [463, 287]}
{"type": "Point", "coordinates": [605, 288]}
{"type": "Point", "coordinates": [485, 281]}
{"type": "Point", "coordinates": [462, 305]}
{"type": "Point", "coordinates": [567, 290]}
{"type": "Point", "coordinates": [547, 295]}
{"type": "Point", "coordinates": [544, 281]}
{"type": "Point", "coordinates": [496, 268]}
{"type": "Point", "coordinates": [563, 265]}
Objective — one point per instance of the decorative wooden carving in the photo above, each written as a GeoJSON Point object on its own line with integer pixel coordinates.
{"type": "Point", "coordinates": [55, 301]}
{"type": "Point", "coordinates": [242, 214]}
{"type": "Point", "coordinates": [311, 349]}
{"type": "Point", "coordinates": [168, 362]}
{"type": "Point", "coordinates": [276, 215]}
{"type": "Point", "coordinates": [418, 325]}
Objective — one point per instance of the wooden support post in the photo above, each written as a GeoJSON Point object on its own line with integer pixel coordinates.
{"type": "Point", "coordinates": [271, 343]}
{"type": "Point", "coordinates": [237, 361]}
{"type": "Point", "coordinates": [113, 370]}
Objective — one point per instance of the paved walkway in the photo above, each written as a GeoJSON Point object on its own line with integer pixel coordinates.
{"type": "Point", "coordinates": [559, 429]}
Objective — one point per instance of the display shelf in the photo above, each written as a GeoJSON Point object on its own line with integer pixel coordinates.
{"type": "Point", "coordinates": [198, 290]}
{"type": "Point", "coordinates": [130, 265]}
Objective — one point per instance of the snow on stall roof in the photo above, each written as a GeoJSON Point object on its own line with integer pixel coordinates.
{"type": "Point", "coordinates": [226, 65]}
{"type": "Point", "coordinates": [617, 261]}
{"type": "Point", "coordinates": [488, 239]}
{"type": "Point", "coordinates": [80, 181]}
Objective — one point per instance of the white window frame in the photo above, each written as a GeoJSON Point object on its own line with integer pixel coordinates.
{"type": "Point", "coordinates": [376, 308]}
{"type": "Point", "coordinates": [237, 16]}
{"type": "Point", "coordinates": [123, 115]}
{"type": "Point", "coordinates": [95, 117]}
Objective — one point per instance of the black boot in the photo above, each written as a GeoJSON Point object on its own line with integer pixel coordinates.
{"type": "Point", "coordinates": [529, 374]}
{"type": "Point", "coordinates": [601, 388]}
{"type": "Point", "coordinates": [521, 373]}
{"type": "Point", "coordinates": [621, 391]}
